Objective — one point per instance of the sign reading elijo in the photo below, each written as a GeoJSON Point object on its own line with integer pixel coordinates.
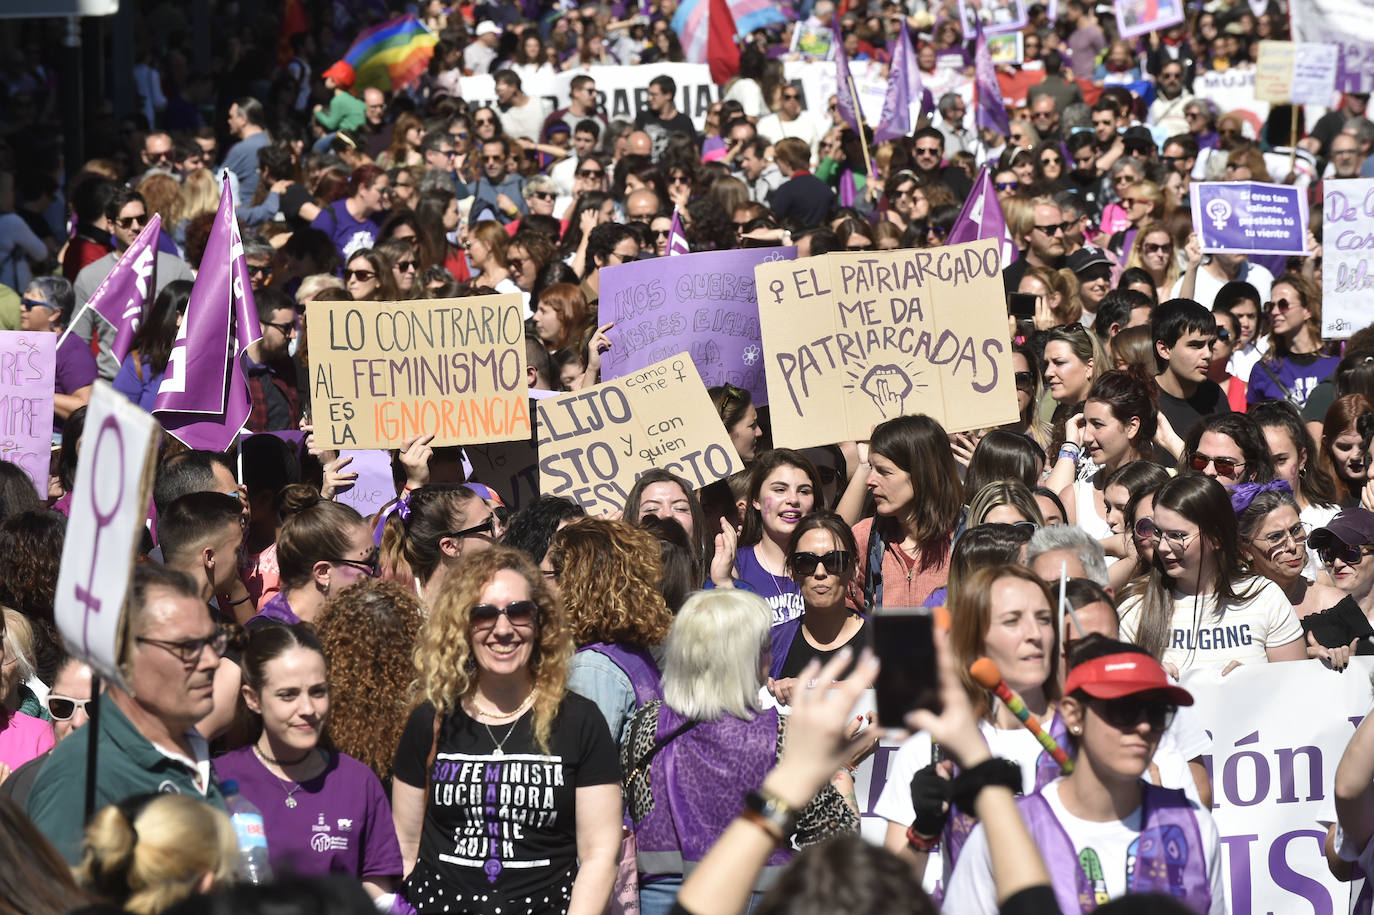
{"type": "Point", "coordinates": [384, 372]}
{"type": "Point", "coordinates": [1348, 256]}
{"type": "Point", "coordinates": [702, 303]}
{"type": "Point", "coordinates": [1248, 217]}
{"type": "Point", "coordinates": [28, 361]}
{"type": "Point", "coordinates": [594, 443]}
{"type": "Point", "coordinates": [853, 339]}
{"type": "Point", "coordinates": [114, 480]}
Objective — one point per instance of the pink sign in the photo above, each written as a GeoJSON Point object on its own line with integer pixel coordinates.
{"type": "Point", "coordinates": [28, 364]}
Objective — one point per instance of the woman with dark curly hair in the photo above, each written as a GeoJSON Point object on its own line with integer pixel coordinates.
{"type": "Point", "coordinates": [607, 574]}
{"type": "Point", "coordinates": [532, 529]}
{"type": "Point", "coordinates": [30, 553]}
{"type": "Point", "coordinates": [368, 632]}
{"type": "Point", "coordinates": [496, 720]}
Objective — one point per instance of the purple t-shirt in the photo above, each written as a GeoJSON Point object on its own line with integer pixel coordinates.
{"type": "Point", "coordinates": [1291, 378]}
{"type": "Point", "coordinates": [348, 234]}
{"type": "Point", "coordinates": [341, 823]}
{"type": "Point", "coordinates": [75, 365]}
{"type": "Point", "coordinates": [24, 738]}
{"type": "Point", "coordinates": [781, 592]}
{"type": "Point", "coordinates": [276, 610]}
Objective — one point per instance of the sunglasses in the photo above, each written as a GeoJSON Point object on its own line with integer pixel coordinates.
{"type": "Point", "coordinates": [543, 195]}
{"type": "Point", "coordinates": [259, 269]}
{"type": "Point", "coordinates": [590, 173]}
{"type": "Point", "coordinates": [1279, 305]}
{"type": "Point", "coordinates": [835, 562]}
{"type": "Point", "coordinates": [1124, 179]}
{"type": "Point", "coordinates": [128, 222]}
{"type": "Point", "coordinates": [790, 97]}
{"type": "Point", "coordinates": [486, 527]}
{"type": "Point", "coordinates": [406, 266]}
{"type": "Point", "coordinates": [458, 136]}
{"type": "Point", "coordinates": [361, 276]}
{"type": "Point", "coordinates": [1350, 555]}
{"type": "Point", "coordinates": [30, 304]}
{"type": "Point", "coordinates": [372, 565]}
{"type": "Point", "coordinates": [1025, 379]}
{"type": "Point", "coordinates": [520, 613]}
{"type": "Point", "coordinates": [1057, 228]}
{"type": "Point", "coordinates": [1008, 185]}
{"type": "Point", "coordinates": [927, 150]}
{"type": "Point", "coordinates": [1051, 160]}
{"type": "Point", "coordinates": [287, 328]}
{"type": "Point", "coordinates": [497, 158]}
{"type": "Point", "coordinates": [1156, 249]}
{"type": "Point", "coordinates": [662, 233]}
{"type": "Point", "coordinates": [1225, 466]}
{"type": "Point", "coordinates": [62, 708]}
{"type": "Point", "coordinates": [486, 123]}
{"type": "Point", "coordinates": [1128, 711]}
{"type": "Point", "coordinates": [679, 179]}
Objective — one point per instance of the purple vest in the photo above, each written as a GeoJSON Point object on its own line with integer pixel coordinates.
{"type": "Point", "coordinates": [1167, 858]}
{"type": "Point", "coordinates": [638, 665]}
{"type": "Point", "coordinates": [961, 824]}
{"type": "Point", "coordinates": [699, 780]}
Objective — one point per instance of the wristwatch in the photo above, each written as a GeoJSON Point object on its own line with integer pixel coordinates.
{"type": "Point", "coordinates": [771, 813]}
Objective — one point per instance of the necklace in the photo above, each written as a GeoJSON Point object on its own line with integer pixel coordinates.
{"type": "Point", "coordinates": [500, 744]}
{"type": "Point", "coordinates": [290, 801]}
{"type": "Point", "coordinates": [501, 717]}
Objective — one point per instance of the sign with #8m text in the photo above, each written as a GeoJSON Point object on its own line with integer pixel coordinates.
{"type": "Point", "coordinates": [384, 372]}
{"type": "Point", "coordinates": [594, 443]}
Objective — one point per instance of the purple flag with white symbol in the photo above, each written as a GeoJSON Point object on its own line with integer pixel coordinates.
{"type": "Point", "coordinates": [992, 111]}
{"type": "Point", "coordinates": [204, 399]}
{"type": "Point", "coordinates": [677, 239]}
{"type": "Point", "coordinates": [903, 89]}
{"type": "Point", "coordinates": [982, 218]}
{"type": "Point", "coordinates": [122, 298]}
{"type": "Point", "coordinates": [844, 85]}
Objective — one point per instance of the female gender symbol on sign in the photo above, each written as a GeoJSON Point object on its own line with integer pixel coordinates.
{"type": "Point", "coordinates": [87, 595]}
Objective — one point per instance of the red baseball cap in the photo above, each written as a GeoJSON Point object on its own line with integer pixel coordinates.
{"type": "Point", "coordinates": [1125, 674]}
{"type": "Point", "coordinates": [341, 72]}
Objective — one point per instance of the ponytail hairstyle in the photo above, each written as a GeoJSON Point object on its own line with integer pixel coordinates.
{"type": "Point", "coordinates": [1128, 396]}
{"type": "Point", "coordinates": [314, 529]}
{"type": "Point", "coordinates": [428, 519]}
{"type": "Point", "coordinates": [148, 852]}
{"type": "Point", "coordinates": [1315, 482]}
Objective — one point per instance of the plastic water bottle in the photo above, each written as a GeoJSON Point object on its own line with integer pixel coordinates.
{"type": "Point", "coordinates": [247, 819]}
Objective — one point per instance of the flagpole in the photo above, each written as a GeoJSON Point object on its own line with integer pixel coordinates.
{"type": "Point", "coordinates": [870, 177]}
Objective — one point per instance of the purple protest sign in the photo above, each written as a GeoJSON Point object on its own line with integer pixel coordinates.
{"type": "Point", "coordinates": [704, 304]}
{"type": "Point", "coordinates": [28, 363]}
{"type": "Point", "coordinates": [374, 487]}
{"type": "Point", "coordinates": [1247, 217]}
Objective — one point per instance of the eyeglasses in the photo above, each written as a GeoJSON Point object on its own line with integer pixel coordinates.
{"type": "Point", "coordinates": [259, 269]}
{"type": "Point", "coordinates": [1225, 466]}
{"type": "Point", "coordinates": [62, 708]}
{"type": "Point", "coordinates": [590, 173]}
{"type": "Point", "coordinates": [1297, 533]}
{"type": "Point", "coordinates": [1128, 711]}
{"type": "Point", "coordinates": [486, 527]}
{"type": "Point", "coordinates": [30, 304]}
{"type": "Point", "coordinates": [1350, 555]}
{"type": "Point", "coordinates": [129, 222]}
{"type": "Point", "coordinates": [1156, 249]}
{"type": "Point", "coordinates": [406, 266]}
{"type": "Point", "coordinates": [1057, 228]}
{"type": "Point", "coordinates": [1008, 185]}
{"type": "Point", "coordinates": [835, 562]}
{"type": "Point", "coordinates": [372, 565]}
{"type": "Point", "coordinates": [189, 651]}
{"type": "Point", "coordinates": [287, 328]}
{"type": "Point", "coordinates": [520, 613]}
{"type": "Point", "coordinates": [1146, 531]}
{"type": "Point", "coordinates": [361, 276]}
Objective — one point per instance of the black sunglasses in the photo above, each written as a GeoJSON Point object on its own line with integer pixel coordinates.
{"type": "Point", "coordinates": [1128, 711]}
{"type": "Point", "coordinates": [372, 565]}
{"type": "Point", "coordinates": [287, 328]}
{"type": "Point", "coordinates": [486, 527]}
{"type": "Point", "coordinates": [835, 562]}
{"type": "Point", "coordinates": [259, 269]}
{"type": "Point", "coordinates": [127, 222]}
{"type": "Point", "coordinates": [361, 276]}
{"type": "Point", "coordinates": [521, 613]}
{"type": "Point", "coordinates": [590, 173]}
{"type": "Point", "coordinates": [1350, 555]}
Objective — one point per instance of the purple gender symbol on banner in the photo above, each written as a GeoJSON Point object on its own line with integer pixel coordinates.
{"type": "Point", "coordinates": [86, 595]}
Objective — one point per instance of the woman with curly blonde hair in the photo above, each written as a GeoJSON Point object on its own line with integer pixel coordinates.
{"type": "Point", "coordinates": [369, 632]}
{"type": "Point", "coordinates": [151, 851]}
{"type": "Point", "coordinates": [607, 574]}
{"type": "Point", "coordinates": [495, 720]}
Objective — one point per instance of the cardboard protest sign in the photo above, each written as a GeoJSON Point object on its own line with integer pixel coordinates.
{"type": "Point", "coordinates": [28, 364]}
{"type": "Point", "coordinates": [1344, 23]}
{"type": "Point", "coordinates": [1248, 217]}
{"type": "Point", "coordinates": [1140, 17]}
{"type": "Point", "coordinates": [384, 372]}
{"type": "Point", "coordinates": [1233, 91]}
{"type": "Point", "coordinates": [856, 338]}
{"type": "Point", "coordinates": [594, 443]}
{"type": "Point", "coordinates": [114, 483]}
{"type": "Point", "coordinates": [1347, 257]}
{"type": "Point", "coordinates": [701, 304]}
{"type": "Point", "coordinates": [1298, 73]}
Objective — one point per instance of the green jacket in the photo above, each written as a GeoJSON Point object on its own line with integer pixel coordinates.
{"type": "Point", "coordinates": [346, 112]}
{"type": "Point", "coordinates": [127, 764]}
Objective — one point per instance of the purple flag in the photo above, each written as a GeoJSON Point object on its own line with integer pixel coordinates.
{"type": "Point", "coordinates": [992, 111]}
{"type": "Point", "coordinates": [844, 85]}
{"type": "Point", "coordinates": [204, 399]}
{"type": "Point", "coordinates": [677, 239]}
{"type": "Point", "coordinates": [982, 218]}
{"type": "Point", "coordinates": [122, 298]}
{"type": "Point", "coordinates": [903, 89]}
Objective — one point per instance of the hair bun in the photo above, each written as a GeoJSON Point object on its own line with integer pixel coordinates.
{"type": "Point", "coordinates": [298, 497]}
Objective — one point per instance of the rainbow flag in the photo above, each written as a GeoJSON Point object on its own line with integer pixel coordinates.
{"type": "Point", "coordinates": [392, 54]}
{"type": "Point", "coordinates": [690, 22]}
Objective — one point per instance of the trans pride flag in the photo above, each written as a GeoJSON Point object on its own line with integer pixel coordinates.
{"type": "Point", "coordinates": [392, 54]}
{"type": "Point", "coordinates": [691, 22]}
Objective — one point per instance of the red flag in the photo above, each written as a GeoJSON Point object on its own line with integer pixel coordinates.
{"type": "Point", "coordinates": [722, 54]}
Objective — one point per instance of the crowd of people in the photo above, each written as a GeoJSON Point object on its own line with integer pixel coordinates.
{"type": "Point", "coordinates": [457, 704]}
